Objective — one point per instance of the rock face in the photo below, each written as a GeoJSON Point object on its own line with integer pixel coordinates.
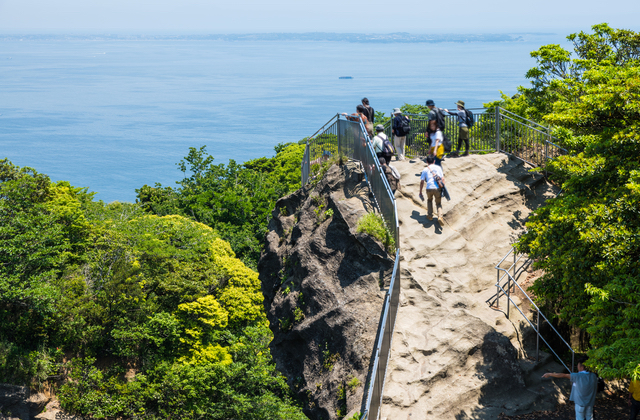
{"type": "Point", "coordinates": [453, 357]}
{"type": "Point", "coordinates": [17, 402]}
{"type": "Point", "coordinates": [324, 286]}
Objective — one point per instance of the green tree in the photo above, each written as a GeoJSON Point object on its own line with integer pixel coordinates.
{"type": "Point", "coordinates": [587, 239]}
{"type": "Point", "coordinates": [236, 200]}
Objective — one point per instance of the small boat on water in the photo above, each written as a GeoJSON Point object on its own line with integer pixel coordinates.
{"type": "Point", "coordinates": [345, 77]}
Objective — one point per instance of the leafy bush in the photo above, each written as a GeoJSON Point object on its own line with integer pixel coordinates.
{"type": "Point", "coordinates": [373, 224]}
{"type": "Point", "coordinates": [159, 300]}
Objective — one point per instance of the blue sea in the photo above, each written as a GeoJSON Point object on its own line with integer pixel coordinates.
{"type": "Point", "coordinates": [113, 115]}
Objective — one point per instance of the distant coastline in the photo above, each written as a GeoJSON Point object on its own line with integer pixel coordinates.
{"type": "Point", "coordinates": [398, 37]}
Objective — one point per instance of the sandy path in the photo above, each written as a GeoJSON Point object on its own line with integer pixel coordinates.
{"type": "Point", "coordinates": [452, 357]}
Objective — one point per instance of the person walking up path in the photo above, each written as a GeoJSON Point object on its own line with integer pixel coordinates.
{"type": "Point", "coordinates": [463, 133]}
{"type": "Point", "coordinates": [399, 132]}
{"type": "Point", "coordinates": [432, 175]}
{"type": "Point", "coordinates": [583, 389]}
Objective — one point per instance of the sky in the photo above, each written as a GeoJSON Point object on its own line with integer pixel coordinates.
{"type": "Point", "coordinates": [363, 16]}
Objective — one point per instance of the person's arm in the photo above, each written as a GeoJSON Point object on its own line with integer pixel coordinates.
{"type": "Point", "coordinates": [421, 185]}
{"type": "Point", "coordinates": [556, 375]}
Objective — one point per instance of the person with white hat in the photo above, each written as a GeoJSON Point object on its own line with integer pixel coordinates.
{"type": "Point", "coordinates": [400, 128]}
{"type": "Point", "coordinates": [463, 133]}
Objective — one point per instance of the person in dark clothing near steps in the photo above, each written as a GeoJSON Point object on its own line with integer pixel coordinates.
{"type": "Point", "coordinates": [370, 113]}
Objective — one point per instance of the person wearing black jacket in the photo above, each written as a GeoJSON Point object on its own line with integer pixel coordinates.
{"type": "Point", "coordinates": [370, 113]}
{"type": "Point", "coordinates": [399, 138]}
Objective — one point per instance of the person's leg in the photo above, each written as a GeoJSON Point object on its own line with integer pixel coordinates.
{"type": "Point", "coordinates": [464, 135]}
{"type": "Point", "coordinates": [635, 409]}
{"type": "Point", "coordinates": [430, 194]}
{"type": "Point", "coordinates": [588, 412]}
{"type": "Point", "coordinates": [438, 206]}
{"type": "Point", "coordinates": [396, 144]}
{"type": "Point", "coordinates": [402, 141]}
{"type": "Point", "coordinates": [459, 142]}
{"type": "Point", "coordinates": [580, 412]}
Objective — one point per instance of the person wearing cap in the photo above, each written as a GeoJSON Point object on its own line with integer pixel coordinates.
{"type": "Point", "coordinates": [436, 114]}
{"type": "Point", "coordinates": [463, 133]}
{"type": "Point", "coordinates": [369, 112]}
{"type": "Point", "coordinates": [398, 140]}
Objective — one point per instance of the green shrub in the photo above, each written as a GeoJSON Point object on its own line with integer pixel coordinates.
{"type": "Point", "coordinates": [372, 224]}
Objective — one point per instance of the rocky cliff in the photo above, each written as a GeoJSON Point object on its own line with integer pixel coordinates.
{"type": "Point", "coordinates": [324, 285]}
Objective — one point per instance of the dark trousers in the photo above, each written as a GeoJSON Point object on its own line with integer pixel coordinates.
{"type": "Point", "coordinates": [463, 135]}
{"type": "Point", "coordinates": [635, 409]}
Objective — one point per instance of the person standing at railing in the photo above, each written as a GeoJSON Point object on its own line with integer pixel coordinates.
{"type": "Point", "coordinates": [436, 114]}
{"type": "Point", "coordinates": [361, 116]}
{"type": "Point", "coordinates": [369, 112]}
{"type": "Point", "coordinates": [381, 145]}
{"type": "Point", "coordinates": [437, 139]}
{"type": "Point", "coordinates": [399, 132]}
{"type": "Point", "coordinates": [432, 175]}
{"type": "Point", "coordinates": [584, 385]}
{"type": "Point", "coordinates": [463, 133]}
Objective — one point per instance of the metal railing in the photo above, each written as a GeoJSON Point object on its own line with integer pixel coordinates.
{"type": "Point", "coordinates": [525, 139]}
{"type": "Point", "coordinates": [350, 139]}
{"type": "Point", "coordinates": [481, 135]}
{"type": "Point", "coordinates": [499, 130]}
{"type": "Point", "coordinates": [508, 286]}
{"type": "Point", "coordinates": [383, 346]}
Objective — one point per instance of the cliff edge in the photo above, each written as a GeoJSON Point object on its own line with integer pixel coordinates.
{"type": "Point", "coordinates": [324, 286]}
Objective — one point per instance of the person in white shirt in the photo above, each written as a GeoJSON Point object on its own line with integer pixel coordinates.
{"type": "Point", "coordinates": [378, 140]}
{"type": "Point", "coordinates": [437, 145]}
{"type": "Point", "coordinates": [428, 177]}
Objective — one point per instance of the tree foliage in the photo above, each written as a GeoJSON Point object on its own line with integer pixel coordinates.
{"type": "Point", "coordinates": [236, 200]}
{"type": "Point", "coordinates": [158, 317]}
{"type": "Point", "coordinates": [588, 239]}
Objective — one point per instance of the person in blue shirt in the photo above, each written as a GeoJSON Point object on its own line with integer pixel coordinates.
{"type": "Point", "coordinates": [584, 385]}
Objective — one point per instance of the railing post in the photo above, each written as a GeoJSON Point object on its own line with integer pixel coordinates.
{"type": "Point", "coordinates": [497, 129]}
{"type": "Point", "coordinates": [514, 268]}
{"type": "Point", "coordinates": [538, 338]}
{"type": "Point", "coordinates": [546, 153]}
{"type": "Point", "coordinates": [498, 289]}
{"type": "Point", "coordinates": [508, 294]}
{"type": "Point", "coordinates": [338, 129]}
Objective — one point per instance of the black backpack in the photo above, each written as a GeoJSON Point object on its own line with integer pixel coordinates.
{"type": "Point", "coordinates": [439, 118]}
{"type": "Point", "coordinates": [405, 127]}
{"type": "Point", "coordinates": [387, 147]}
{"type": "Point", "coordinates": [470, 121]}
{"type": "Point", "coordinates": [446, 143]}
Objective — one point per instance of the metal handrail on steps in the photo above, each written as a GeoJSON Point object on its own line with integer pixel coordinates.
{"type": "Point", "coordinates": [505, 290]}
